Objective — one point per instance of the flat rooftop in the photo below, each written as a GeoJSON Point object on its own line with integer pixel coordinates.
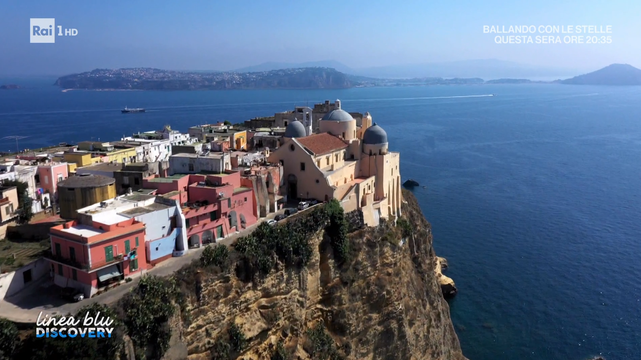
{"type": "Point", "coordinates": [137, 211]}
{"type": "Point", "coordinates": [101, 167]}
{"type": "Point", "coordinates": [83, 230]}
{"type": "Point", "coordinates": [208, 155]}
{"type": "Point", "coordinates": [168, 179]}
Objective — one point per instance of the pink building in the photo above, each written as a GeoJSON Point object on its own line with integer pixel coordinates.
{"type": "Point", "coordinates": [214, 205]}
{"type": "Point", "coordinates": [89, 257]}
{"type": "Point", "coordinates": [49, 175]}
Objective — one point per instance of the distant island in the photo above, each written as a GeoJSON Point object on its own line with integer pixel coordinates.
{"type": "Point", "coordinates": [9, 87]}
{"type": "Point", "coordinates": [615, 74]}
{"type": "Point", "coordinates": [156, 79]}
{"type": "Point", "coordinates": [299, 78]}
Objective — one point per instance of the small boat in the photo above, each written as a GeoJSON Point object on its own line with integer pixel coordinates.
{"type": "Point", "coordinates": [136, 110]}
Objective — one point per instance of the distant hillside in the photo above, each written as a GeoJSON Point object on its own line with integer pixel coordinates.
{"type": "Point", "coordinates": [268, 66]}
{"type": "Point", "coordinates": [156, 79]}
{"type": "Point", "coordinates": [615, 74]}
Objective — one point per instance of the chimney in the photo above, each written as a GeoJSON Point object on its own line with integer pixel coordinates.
{"type": "Point", "coordinates": [66, 225]}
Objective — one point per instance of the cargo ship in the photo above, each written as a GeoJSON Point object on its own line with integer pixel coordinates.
{"type": "Point", "coordinates": [136, 110]}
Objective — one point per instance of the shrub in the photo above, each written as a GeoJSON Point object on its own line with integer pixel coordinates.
{"type": "Point", "coordinates": [338, 230]}
{"type": "Point", "coordinates": [322, 345]}
{"type": "Point", "coordinates": [148, 309]}
{"type": "Point", "coordinates": [280, 353]}
{"type": "Point", "coordinates": [129, 280]}
{"type": "Point", "coordinates": [220, 350]}
{"type": "Point", "coordinates": [237, 338]}
{"type": "Point", "coordinates": [217, 255]}
{"type": "Point", "coordinates": [406, 228]}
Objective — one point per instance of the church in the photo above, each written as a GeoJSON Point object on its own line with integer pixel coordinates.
{"type": "Point", "coordinates": [342, 161]}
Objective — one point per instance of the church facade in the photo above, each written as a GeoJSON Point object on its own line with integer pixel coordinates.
{"type": "Point", "coordinates": [342, 161]}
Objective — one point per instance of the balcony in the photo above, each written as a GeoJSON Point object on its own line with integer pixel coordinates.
{"type": "Point", "coordinates": [82, 266]}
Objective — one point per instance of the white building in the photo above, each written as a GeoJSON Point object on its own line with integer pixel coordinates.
{"type": "Point", "coordinates": [197, 163]}
{"type": "Point", "coordinates": [165, 232]}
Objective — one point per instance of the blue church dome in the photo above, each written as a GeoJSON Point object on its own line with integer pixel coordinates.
{"type": "Point", "coordinates": [374, 135]}
{"type": "Point", "coordinates": [338, 115]}
{"type": "Point", "coordinates": [295, 129]}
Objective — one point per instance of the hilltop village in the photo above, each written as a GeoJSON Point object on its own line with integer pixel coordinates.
{"type": "Point", "coordinates": [124, 206]}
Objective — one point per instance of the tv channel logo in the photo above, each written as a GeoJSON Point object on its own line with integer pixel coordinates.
{"type": "Point", "coordinates": [42, 31]}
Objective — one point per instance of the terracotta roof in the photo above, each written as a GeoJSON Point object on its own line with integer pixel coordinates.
{"type": "Point", "coordinates": [323, 143]}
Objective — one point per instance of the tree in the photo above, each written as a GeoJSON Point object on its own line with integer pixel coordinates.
{"type": "Point", "coordinates": [23, 196]}
{"type": "Point", "coordinates": [227, 122]}
{"type": "Point", "coordinates": [217, 255]}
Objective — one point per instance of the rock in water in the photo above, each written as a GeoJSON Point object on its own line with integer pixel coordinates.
{"type": "Point", "coordinates": [410, 183]}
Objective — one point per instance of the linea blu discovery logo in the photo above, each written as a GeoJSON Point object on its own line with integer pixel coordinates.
{"type": "Point", "coordinates": [68, 326]}
{"type": "Point", "coordinates": [43, 31]}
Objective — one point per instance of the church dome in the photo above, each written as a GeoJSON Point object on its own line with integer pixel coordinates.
{"type": "Point", "coordinates": [338, 115]}
{"type": "Point", "coordinates": [375, 135]}
{"type": "Point", "coordinates": [295, 129]}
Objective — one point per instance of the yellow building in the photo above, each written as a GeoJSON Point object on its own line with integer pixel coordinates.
{"type": "Point", "coordinates": [126, 156]}
{"type": "Point", "coordinates": [345, 162]}
{"type": "Point", "coordinates": [77, 192]}
{"type": "Point", "coordinates": [238, 140]}
{"type": "Point", "coordinates": [81, 158]}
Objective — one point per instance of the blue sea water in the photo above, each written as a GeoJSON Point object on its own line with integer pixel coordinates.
{"type": "Point", "coordinates": [534, 194]}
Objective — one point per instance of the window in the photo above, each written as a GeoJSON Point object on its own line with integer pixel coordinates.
{"type": "Point", "coordinates": [59, 177]}
{"type": "Point", "coordinates": [137, 241]}
{"type": "Point", "coordinates": [336, 157]}
{"type": "Point", "coordinates": [133, 265]}
{"type": "Point", "coordinates": [245, 199]}
{"type": "Point", "coordinates": [351, 156]}
{"type": "Point", "coordinates": [302, 166]}
{"type": "Point", "coordinates": [58, 252]}
{"type": "Point", "coordinates": [7, 210]}
{"type": "Point", "coordinates": [125, 180]}
{"type": "Point", "coordinates": [109, 253]}
{"type": "Point", "coordinates": [46, 179]}
{"type": "Point", "coordinates": [214, 215]}
{"type": "Point", "coordinates": [72, 254]}
{"type": "Point", "coordinates": [60, 270]}
{"type": "Point", "coordinates": [74, 274]}
{"type": "Point", "coordinates": [229, 202]}
{"type": "Point", "coordinates": [292, 147]}
{"type": "Point", "coordinates": [317, 181]}
{"type": "Point", "coordinates": [343, 135]}
{"type": "Point", "coordinates": [191, 167]}
{"type": "Point", "coordinates": [186, 225]}
{"type": "Point", "coordinates": [327, 158]}
{"type": "Point", "coordinates": [127, 246]}
{"type": "Point", "coordinates": [136, 181]}
{"type": "Point", "coordinates": [318, 163]}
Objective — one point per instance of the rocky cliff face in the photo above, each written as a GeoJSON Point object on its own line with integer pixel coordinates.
{"type": "Point", "coordinates": [385, 303]}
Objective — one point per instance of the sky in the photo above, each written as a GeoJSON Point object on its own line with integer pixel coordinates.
{"type": "Point", "coordinates": [225, 35]}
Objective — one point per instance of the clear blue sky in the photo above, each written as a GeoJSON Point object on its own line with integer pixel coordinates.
{"type": "Point", "coordinates": [223, 35]}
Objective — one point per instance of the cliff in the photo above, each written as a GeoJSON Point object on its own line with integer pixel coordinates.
{"type": "Point", "coordinates": [383, 303]}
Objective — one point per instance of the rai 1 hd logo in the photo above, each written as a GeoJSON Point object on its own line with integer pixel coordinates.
{"type": "Point", "coordinates": [44, 31]}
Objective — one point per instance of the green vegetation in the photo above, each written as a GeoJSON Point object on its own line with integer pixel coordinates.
{"type": "Point", "coordinates": [237, 338]}
{"type": "Point", "coordinates": [406, 228]}
{"type": "Point", "coordinates": [288, 243]}
{"type": "Point", "coordinates": [217, 255]}
{"type": "Point", "coordinates": [337, 231]}
{"type": "Point", "coordinates": [322, 346]}
{"type": "Point", "coordinates": [280, 353]}
{"type": "Point", "coordinates": [25, 201]}
{"type": "Point", "coordinates": [227, 122]}
{"type": "Point", "coordinates": [147, 310]}
{"type": "Point", "coordinates": [220, 350]}
{"type": "Point", "coordinates": [8, 338]}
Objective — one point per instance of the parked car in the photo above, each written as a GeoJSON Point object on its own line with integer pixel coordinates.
{"type": "Point", "coordinates": [271, 222]}
{"type": "Point", "coordinates": [290, 211]}
{"type": "Point", "coordinates": [303, 205]}
{"type": "Point", "coordinates": [313, 202]}
{"type": "Point", "coordinates": [279, 217]}
{"type": "Point", "coordinates": [72, 294]}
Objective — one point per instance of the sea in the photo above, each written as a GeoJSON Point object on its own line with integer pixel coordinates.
{"type": "Point", "coordinates": [534, 193]}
